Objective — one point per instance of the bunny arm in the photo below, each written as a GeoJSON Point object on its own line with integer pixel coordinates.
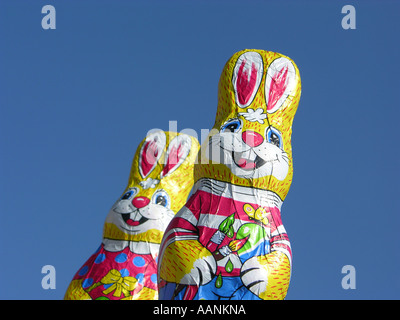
{"type": "Point", "coordinates": [183, 259]}
{"type": "Point", "coordinates": [268, 276]}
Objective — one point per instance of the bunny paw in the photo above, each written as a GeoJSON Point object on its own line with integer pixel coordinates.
{"type": "Point", "coordinates": [267, 276]}
{"type": "Point", "coordinates": [254, 276]}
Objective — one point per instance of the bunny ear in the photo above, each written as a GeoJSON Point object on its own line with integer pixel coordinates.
{"type": "Point", "coordinates": [150, 152]}
{"type": "Point", "coordinates": [280, 83]}
{"type": "Point", "coordinates": [247, 76]}
{"type": "Point", "coordinates": [178, 150]}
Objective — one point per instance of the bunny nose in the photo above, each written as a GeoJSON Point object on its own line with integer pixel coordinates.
{"type": "Point", "coordinates": [251, 138]}
{"type": "Point", "coordinates": [140, 202]}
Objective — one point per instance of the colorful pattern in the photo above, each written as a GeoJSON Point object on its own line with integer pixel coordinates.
{"type": "Point", "coordinates": [228, 241]}
{"type": "Point", "coordinates": [118, 275]}
{"type": "Point", "coordinates": [125, 265]}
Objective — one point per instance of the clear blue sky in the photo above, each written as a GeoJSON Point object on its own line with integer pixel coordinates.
{"type": "Point", "coordinates": [76, 101]}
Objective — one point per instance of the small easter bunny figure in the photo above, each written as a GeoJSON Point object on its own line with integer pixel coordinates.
{"type": "Point", "coordinates": [125, 264]}
{"type": "Point", "coordinates": [228, 241]}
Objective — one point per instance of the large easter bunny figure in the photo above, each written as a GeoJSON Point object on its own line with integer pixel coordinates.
{"type": "Point", "coordinates": [228, 241]}
{"type": "Point", "coordinates": [125, 265]}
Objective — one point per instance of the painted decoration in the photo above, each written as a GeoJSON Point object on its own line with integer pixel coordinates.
{"type": "Point", "coordinates": [228, 241]}
{"type": "Point", "coordinates": [125, 265]}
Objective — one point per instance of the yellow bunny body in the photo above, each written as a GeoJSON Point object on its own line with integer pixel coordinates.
{"type": "Point", "coordinates": [228, 241]}
{"type": "Point", "coordinates": [124, 266]}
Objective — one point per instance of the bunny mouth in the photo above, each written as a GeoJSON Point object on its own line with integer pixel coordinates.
{"type": "Point", "coordinates": [133, 223]}
{"type": "Point", "coordinates": [247, 161]}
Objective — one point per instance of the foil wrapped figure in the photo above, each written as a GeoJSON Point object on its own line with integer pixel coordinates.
{"type": "Point", "coordinates": [228, 241]}
{"type": "Point", "coordinates": [125, 264]}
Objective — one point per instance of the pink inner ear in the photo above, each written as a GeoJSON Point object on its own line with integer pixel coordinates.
{"type": "Point", "coordinates": [277, 88]}
{"type": "Point", "coordinates": [174, 156]}
{"type": "Point", "coordinates": [244, 85]}
{"type": "Point", "coordinates": [149, 157]}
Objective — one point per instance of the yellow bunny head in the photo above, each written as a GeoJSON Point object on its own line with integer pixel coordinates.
{"type": "Point", "coordinates": [250, 143]}
{"type": "Point", "coordinates": [160, 181]}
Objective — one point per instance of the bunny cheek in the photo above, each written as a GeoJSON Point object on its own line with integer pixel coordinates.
{"type": "Point", "coordinates": [159, 216]}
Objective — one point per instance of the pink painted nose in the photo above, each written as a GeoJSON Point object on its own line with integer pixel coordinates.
{"type": "Point", "coordinates": [251, 138]}
{"type": "Point", "coordinates": [140, 202]}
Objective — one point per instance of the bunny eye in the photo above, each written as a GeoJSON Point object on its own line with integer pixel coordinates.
{"type": "Point", "coordinates": [274, 136]}
{"type": "Point", "coordinates": [231, 126]}
{"type": "Point", "coordinates": [161, 198]}
{"type": "Point", "coordinates": [129, 194]}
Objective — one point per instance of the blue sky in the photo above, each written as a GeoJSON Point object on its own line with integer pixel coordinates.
{"type": "Point", "coordinates": [76, 101]}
